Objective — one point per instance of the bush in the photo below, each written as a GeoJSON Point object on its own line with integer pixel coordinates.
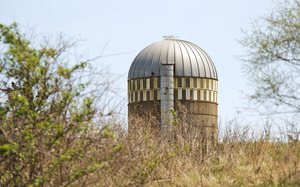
{"type": "Point", "coordinates": [46, 113]}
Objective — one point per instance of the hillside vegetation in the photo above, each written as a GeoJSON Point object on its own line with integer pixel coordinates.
{"type": "Point", "coordinates": [110, 157]}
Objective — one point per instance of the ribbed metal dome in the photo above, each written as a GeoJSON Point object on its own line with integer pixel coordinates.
{"type": "Point", "coordinates": [189, 59]}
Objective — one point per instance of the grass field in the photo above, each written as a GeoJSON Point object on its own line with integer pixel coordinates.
{"type": "Point", "coordinates": [110, 157]}
{"type": "Point", "coordinates": [145, 159]}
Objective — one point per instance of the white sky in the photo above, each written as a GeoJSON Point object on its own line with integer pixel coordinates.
{"type": "Point", "coordinates": [131, 25]}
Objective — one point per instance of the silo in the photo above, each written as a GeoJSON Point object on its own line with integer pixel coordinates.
{"type": "Point", "coordinates": [174, 74]}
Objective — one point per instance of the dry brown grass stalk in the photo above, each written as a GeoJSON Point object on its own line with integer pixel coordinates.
{"type": "Point", "coordinates": [143, 158]}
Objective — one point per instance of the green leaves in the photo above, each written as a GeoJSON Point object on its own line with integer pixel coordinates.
{"type": "Point", "coordinates": [272, 61]}
{"type": "Point", "coordinates": [8, 149]}
{"type": "Point", "coordinates": [9, 34]}
{"type": "Point", "coordinates": [64, 72]}
{"type": "Point", "coordinates": [43, 113]}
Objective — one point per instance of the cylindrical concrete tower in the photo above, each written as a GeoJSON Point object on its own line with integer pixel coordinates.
{"type": "Point", "coordinates": [171, 74]}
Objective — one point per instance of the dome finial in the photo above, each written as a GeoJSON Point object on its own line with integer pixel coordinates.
{"type": "Point", "coordinates": [170, 37]}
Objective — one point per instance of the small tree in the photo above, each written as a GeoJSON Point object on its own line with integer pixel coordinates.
{"type": "Point", "coordinates": [46, 111]}
{"type": "Point", "coordinates": [272, 61]}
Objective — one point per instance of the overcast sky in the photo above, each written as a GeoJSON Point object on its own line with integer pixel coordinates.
{"type": "Point", "coordinates": [128, 26]}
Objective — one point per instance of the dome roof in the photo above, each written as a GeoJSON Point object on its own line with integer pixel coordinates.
{"type": "Point", "coordinates": [189, 60]}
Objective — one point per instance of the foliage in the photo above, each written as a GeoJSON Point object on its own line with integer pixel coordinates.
{"type": "Point", "coordinates": [272, 61]}
{"type": "Point", "coordinates": [45, 113]}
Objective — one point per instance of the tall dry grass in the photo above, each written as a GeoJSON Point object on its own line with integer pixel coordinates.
{"type": "Point", "coordinates": [111, 157]}
{"type": "Point", "coordinates": [144, 158]}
